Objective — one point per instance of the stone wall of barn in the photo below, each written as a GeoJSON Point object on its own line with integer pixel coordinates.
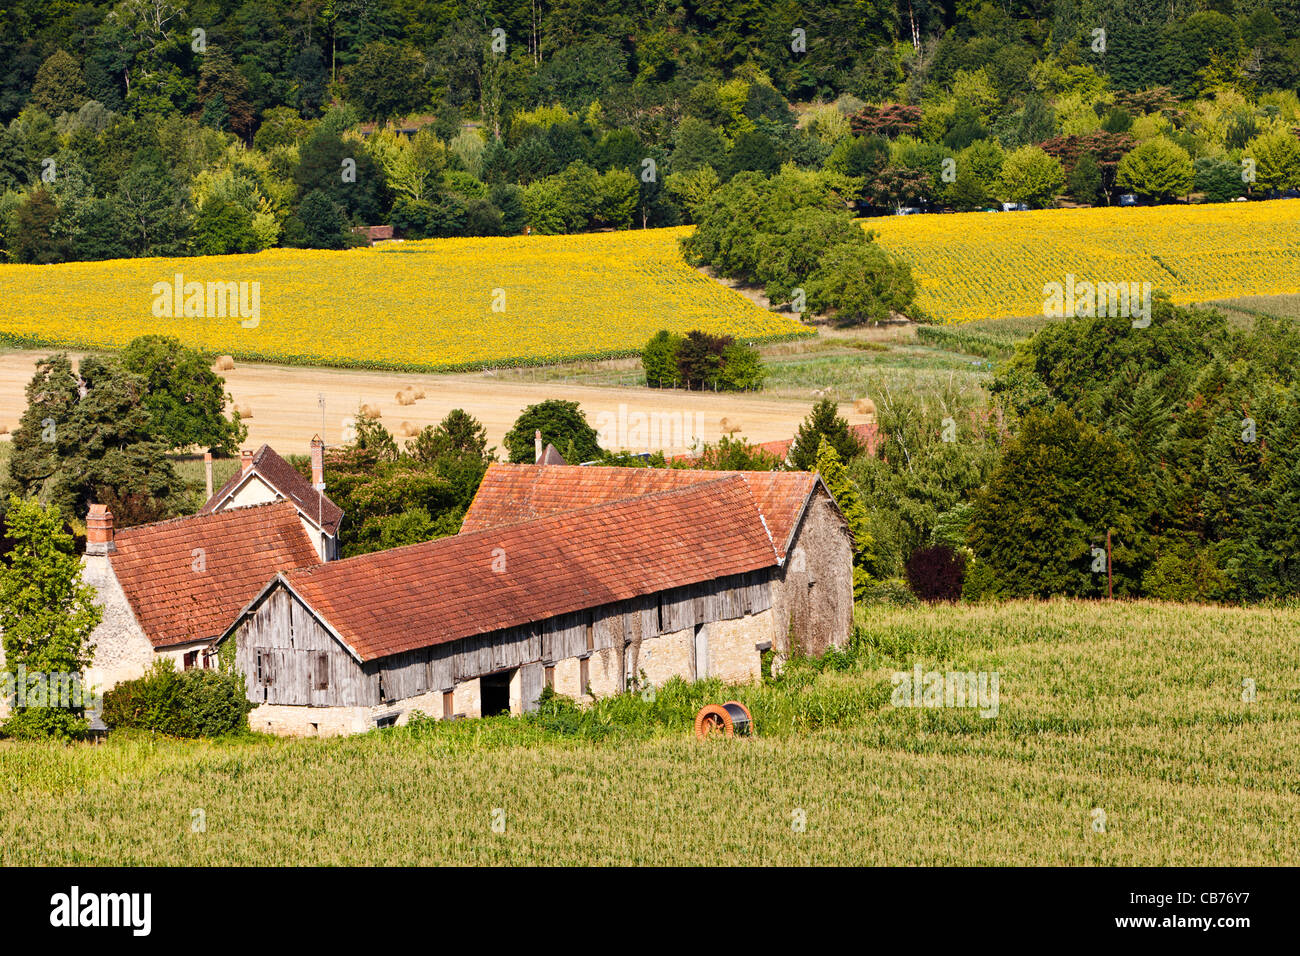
{"type": "Point", "coordinates": [812, 595]}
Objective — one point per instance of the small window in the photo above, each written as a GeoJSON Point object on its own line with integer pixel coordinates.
{"type": "Point", "coordinates": [322, 670]}
{"type": "Point", "coordinates": [448, 704]}
{"type": "Point", "coordinates": [550, 676]}
{"type": "Point", "coordinates": [584, 675]}
{"type": "Point", "coordinates": [386, 720]}
{"type": "Point", "coordinates": [591, 635]}
{"type": "Point", "coordinates": [191, 660]}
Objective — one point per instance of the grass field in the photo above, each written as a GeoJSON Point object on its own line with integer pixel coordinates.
{"type": "Point", "coordinates": [1133, 710]}
{"type": "Point", "coordinates": [994, 265]}
{"type": "Point", "coordinates": [419, 305]}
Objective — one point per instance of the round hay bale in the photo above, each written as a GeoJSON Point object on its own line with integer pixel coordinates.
{"type": "Point", "coordinates": [245, 411]}
{"type": "Point", "coordinates": [4, 429]}
{"type": "Point", "coordinates": [864, 406]}
{"type": "Point", "coordinates": [224, 363]}
{"type": "Point", "coordinates": [370, 411]}
{"type": "Point", "coordinates": [729, 427]}
{"type": "Point", "coordinates": [405, 398]}
{"type": "Point", "coordinates": [408, 430]}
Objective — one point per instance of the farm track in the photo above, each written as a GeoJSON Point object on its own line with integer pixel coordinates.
{"type": "Point", "coordinates": [286, 413]}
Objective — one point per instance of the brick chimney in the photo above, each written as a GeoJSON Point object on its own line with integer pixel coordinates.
{"type": "Point", "coordinates": [537, 446]}
{"type": "Point", "coordinates": [245, 461]}
{"type": "Point", "coordinates": [207, 472]}
{"type": "Point", "coordinates": [99, 531]}
{"type": "Point", "coordinates": [318, 463]}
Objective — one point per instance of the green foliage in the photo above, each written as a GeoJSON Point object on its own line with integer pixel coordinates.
{"type": "Point", "coordinates": [824, 423]}
{"type": "Point", "coordinates": [699, 360]}
{"type": "Point", "coordinates": [733, 454]}
{"type": "Point", "coordinates": [1277, 160]}
{"type": "Point", "coordinates": [192, 703]}
{"type": "Point", "coordinates": [47, 615]}
{"type": "Point", "coordinates": [70, 449]}
{"type": "Point", "coordinates": [394, 497]}
{"type": "Point", "coordinates": [659, 359]}
{"type": "Point", "coordinates": [1031, 176]}
{"type": "Point", "coordinates": [1060, 486]}
{"type": "Point", "coordinates": [562, 424]}
{"type": "Point", "coordinates": [1158, 168]}
{"type": "Point", "coordinates": [792, 232]}
{"type": "Point", "coordinates": [184, 397]}
{"type": "Point", "coordinates": [849, 499]}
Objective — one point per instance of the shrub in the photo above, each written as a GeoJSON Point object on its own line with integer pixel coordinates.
{"type": "Point", "coordinates": [193, 703]}
{"type": "Point", "coordinates": [699, 360]}
{"type": "Point", "coordinates": [892, 591]}
{"type": "Point", "coordinates": [742, 369]}
{"type": "Point", "coordinates": [936, 573]}
{"type": "Point", "coordinates": [659, 359]}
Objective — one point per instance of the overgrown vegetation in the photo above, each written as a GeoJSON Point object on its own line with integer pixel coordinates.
{"type": "Point", "coordinates": [193, 703]}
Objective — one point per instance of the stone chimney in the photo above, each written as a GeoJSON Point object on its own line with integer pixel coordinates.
{"type": "Point", "coordinates": [245, 461]}
{"type": "Point", "coordinates": [99, 531]}
{"type": "Point", "coordinates": [318, 463]}
{"type": "Point", "coordinates": [537, 446]}
{"type": "Point", "coordinates": [207, 472]}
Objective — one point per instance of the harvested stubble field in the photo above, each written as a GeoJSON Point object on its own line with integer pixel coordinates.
{"type": "Point", "coordinates": [982, 265]}
{"type": "Point", "coordinates": [437, 304]}
{"type": "Point", "coordinates": [1134, 710]}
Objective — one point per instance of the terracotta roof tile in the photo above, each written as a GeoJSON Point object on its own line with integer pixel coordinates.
{"type": "Point", "coordinates": [425, 594]}
{"type": "Point", "coordinates": [512, 493]}
{"type": "Point", "coordinates": [287, 481]}
{"type": "Point", "coordinates": [243, 548]}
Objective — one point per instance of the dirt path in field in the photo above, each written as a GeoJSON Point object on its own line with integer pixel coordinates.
{"type": "Point", "coordinates": [286, 413]}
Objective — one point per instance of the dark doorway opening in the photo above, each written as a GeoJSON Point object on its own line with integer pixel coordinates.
{"type": "Point", "coordinates": [495, 693]}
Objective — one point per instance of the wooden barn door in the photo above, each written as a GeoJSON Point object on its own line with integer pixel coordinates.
{"type": "Point", "coordinates": [701, 651]}
{"type": "Point", "coordinates": [532, 679]}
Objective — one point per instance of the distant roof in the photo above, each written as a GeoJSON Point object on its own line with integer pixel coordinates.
{"type": "Point", "coordinates": [421, 595]}
{"type": "Point", "coordinates": [512, 493]}
{"type": "Point", "coordinates": [866, 433]}
{"type": "Point", "coordinates": [186, 579]}
{"type": "Point", "coordinates": [551, 457]}
{"type": "Point", "coordinates": [286, 480]}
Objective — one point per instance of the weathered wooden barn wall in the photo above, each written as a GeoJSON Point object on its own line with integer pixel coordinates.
{"type": "Point", "coordinates": [813, 592]}
{"type": "Point", "coordinates": [288, 657]}
{"type": "Point", "coordinates": [286, 654]}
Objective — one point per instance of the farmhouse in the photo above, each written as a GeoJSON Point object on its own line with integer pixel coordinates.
{"type": "Point", "coordinates": [171, 588]}
{"type": "Point", "coordinates": [265, 476]}
{"type": "Point", "coordinates": [587, 580]}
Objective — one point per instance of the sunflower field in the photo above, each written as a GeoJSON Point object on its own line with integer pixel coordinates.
{"type": "Point", "coordinates": [983, 265]}
{"type": "Point", "coordinates": [437, 304]}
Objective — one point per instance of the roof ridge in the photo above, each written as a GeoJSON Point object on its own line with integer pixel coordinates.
{"type": "Point", "coordinates": [208, 515]}
{"type": "Point", "coordinates": [553, 517]}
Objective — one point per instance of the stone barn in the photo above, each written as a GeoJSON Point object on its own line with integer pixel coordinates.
{"type": "Point", "coordinates": [590, 594]}
{"type": "Point", "coordinates": [812, 583]}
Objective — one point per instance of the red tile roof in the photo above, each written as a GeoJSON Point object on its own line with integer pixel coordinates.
{"type": "Point", "coordinates": [420, 595]}
{"type": "Point", "coordinates": [521, 492]}
{"type": "Point", "coordinates": [174, 600]}
{"type": "Point", "coordinates": [286, 480]}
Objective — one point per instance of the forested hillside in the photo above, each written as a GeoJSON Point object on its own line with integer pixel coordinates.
{"type": "Point", "coordinates": [156, 127]}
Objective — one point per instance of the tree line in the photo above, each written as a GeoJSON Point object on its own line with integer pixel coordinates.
{"type": "Point", "coordinates": [141, 128]}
